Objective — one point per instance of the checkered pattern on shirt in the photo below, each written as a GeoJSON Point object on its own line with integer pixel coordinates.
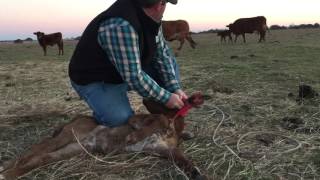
{"type": "Point", "coordinates": [121, 44]}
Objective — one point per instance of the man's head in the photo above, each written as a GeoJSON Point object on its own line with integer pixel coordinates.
{"type": "Point", "coordinates": [155, 8]}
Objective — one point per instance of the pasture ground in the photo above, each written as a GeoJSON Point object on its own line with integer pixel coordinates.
{"type": "Point", "coordinates": [250, 127]}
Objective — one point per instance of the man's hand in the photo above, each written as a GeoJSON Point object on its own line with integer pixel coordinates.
{"type": "Point", "coordinates": [182, 94]}
{"type": "Point", "coordinates": [175, 101]}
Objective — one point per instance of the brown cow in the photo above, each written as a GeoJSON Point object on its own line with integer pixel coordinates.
{"type": "Point", "coordinates": [224, 34]}
{"type": "Point", "coordinates": [50, 40]}
{"type": "Point", "coordinates": [249, 25]}
{"type": "Point", "coordinates": [156, 133]}
{"type": "Point", "coordinates": [177, 30]}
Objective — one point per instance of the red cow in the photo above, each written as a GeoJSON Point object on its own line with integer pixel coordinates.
{"type": "Point", "coordinates": [177, 30]}
{"type": "Point", "coordinates": [50, 39]}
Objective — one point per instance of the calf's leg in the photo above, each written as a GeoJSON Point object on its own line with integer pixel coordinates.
{"type": "Point", "coordinates": [178, 157]}
{"type": "Point", "coordinates": [80, 126]}
{"type": "Point", "coordinates": [41, 160]}
{"type": "Point", "coordinates": [37, 160]}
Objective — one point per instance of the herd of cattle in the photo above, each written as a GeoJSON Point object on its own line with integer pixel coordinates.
{"type": "Point", "coordinates": [179, 30]}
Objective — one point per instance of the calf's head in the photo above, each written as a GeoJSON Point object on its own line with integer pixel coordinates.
{"type": "Point", "coordinates": [195, 100]}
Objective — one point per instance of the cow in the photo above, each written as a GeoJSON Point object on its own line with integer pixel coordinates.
{"type": "Point", "coordinates": [223, 34]}
{"type": "Point", "coordinates": [157, 133]}
{"type": "Point", "coordinates": [50, 40]}
{"type": "Point", "coordinates": [177, 30]}
{"type": "Point", "coordinates": [249, 25]}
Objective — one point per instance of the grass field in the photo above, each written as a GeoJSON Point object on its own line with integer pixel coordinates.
{"type": "Point", "coordinates": [251, 126]}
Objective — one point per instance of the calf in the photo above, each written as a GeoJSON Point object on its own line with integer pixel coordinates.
{"type": "Point", "coordinates": [50, 40]}
{"type": "Point", "coordinates": [224, 34]}
{"type": "Point", "coordinates": [150, 133]}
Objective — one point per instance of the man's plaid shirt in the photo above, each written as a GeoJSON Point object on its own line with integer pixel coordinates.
{"type": "Point", "coordinates": [121, 44]}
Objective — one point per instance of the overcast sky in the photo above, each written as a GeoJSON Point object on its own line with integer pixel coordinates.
{"type": "Point", "coordinates": [20, 18]}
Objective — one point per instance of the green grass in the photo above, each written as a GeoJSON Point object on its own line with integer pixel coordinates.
{"type": "Point", "coordinates": [246, 86]}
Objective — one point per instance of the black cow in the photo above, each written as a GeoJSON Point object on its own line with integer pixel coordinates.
{"type": "Point", "coordinates": [224, 34]}
{"type": "Point", "coordinates": [249, 25]}
{"type": "Point", "coordinates": [50, 39]}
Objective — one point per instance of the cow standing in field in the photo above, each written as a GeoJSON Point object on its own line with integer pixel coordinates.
{"type": "Point", "coordinates": [50, 40]}
{"type": "Point", "coordinates": [157, 133]}
{"type": "Point", "coordinates": [224, 34]}
{"type": "Point", "coordinates": [249, 25]}
{"type": "Point", "coordinates": [177, 30]}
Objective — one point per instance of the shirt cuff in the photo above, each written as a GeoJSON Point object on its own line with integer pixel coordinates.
{"type": "Point", "coordinates": [164, 98]}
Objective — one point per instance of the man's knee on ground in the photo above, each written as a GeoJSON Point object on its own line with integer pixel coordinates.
{"type": "Point", "coordinates": [115, 119]}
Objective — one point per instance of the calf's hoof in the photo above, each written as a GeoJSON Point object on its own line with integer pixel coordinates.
{"type": "Point", "coordinates": [197, 175]}
{"type": "Point", "coordinates": [187, 135]}
{"type": "Point", "coordinates": [201, 177]}
{"type": "Point", "coordinates": [8, 175]}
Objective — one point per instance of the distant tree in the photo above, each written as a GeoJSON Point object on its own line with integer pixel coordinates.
{"type": "Point", "coordinates": [18, 41]}
{"type": "Point", "coordinates": [293, 26]}
{"type": "Point", "coordinates": [303, 26]}
{"type": "Point", "coordinates": [306, 26]}
{"type": "Point", "coordinates": [277, 27]}
{"type": "Point", "coordinates": [28, 39]}
{"type": "Point", "coordinates": [316, 25]}
{"type": "Point", "coordinates": [210, 31]}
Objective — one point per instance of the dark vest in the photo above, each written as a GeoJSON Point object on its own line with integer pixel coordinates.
{"type": "Point", "coordinates": [89, 62]}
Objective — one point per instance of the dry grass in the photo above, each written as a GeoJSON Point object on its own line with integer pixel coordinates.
{"type": "Point", "coordinates": [240, 130]}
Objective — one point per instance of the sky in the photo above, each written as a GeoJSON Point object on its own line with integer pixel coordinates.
{"type": "Point", "coordinates": [20, 18]}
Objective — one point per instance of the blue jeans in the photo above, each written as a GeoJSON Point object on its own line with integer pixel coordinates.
{"type": "Point", "coordinates": [109, 102]}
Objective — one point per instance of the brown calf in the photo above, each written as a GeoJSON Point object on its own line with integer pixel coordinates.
{"type": "Point", "coordinates": [50, 40]}
{"type": "Point", "coordinates": [224, 34]}
{"type": "Point", "coordinates": [150, 133]}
